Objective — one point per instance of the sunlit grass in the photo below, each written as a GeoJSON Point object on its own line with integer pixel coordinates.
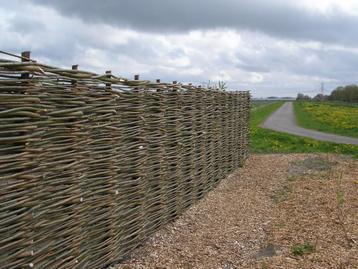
{"type": "Point", "coordinates": [268, 141]}
{"type": "Point", "coordinates": [335, 118]}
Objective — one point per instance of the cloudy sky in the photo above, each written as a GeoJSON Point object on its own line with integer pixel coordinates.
{"type": "Point", "coordinates": [271, 47]}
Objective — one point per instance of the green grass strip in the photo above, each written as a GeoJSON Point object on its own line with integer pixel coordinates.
{"type": "Point", "coordinates": [328, 117]}
{"type": "Point", "coordinates": [268, 141]}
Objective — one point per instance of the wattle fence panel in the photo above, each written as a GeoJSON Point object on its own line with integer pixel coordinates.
{"type": "Point", "coordinates": [90, 165]}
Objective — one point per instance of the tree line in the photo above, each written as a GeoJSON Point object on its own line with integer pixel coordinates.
{"type": "Point", "coordinates": [347, 93]}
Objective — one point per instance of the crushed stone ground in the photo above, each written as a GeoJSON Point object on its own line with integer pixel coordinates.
{"type": "Point", "coordinates": [260, 213]}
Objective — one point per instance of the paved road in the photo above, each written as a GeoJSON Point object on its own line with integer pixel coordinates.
{"type": "Point", "coordinates": [283, 120]}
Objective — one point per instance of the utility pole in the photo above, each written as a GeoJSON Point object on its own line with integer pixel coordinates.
{"type": "Point", "coordinates": [322, 88]}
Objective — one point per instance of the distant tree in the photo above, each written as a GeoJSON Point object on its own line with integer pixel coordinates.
{"type": "Point", "coordinates": [347, 93]}
{"type": "Point", "coordinates": [320, 97]}
{"type": "Point", "coordinates": [302, 97]}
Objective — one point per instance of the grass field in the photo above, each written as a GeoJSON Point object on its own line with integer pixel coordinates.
{"type": "Point", "coordinates": [255, 104]}
{"type": "Point", "coordinates": [267, 141]}
{"type": "Point", "coordinates": [329, 117]}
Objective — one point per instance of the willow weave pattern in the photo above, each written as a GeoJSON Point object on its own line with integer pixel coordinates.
{"type": "Point", "coordinates": [90, 165]}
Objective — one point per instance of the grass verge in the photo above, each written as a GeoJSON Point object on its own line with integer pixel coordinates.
{"type": "Point", "coordinates": [268, 141]}
{"type": "Point", "coordinates": [328, 117]}
{"type": "Point", "coordinates": [305, 248]}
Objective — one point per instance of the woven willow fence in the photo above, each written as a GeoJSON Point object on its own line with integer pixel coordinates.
{"type": "Point", "coordinates": [91, 165]}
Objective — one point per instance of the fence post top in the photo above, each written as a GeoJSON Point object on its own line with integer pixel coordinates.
{"type": "Point", "coordinates": [25, 56]}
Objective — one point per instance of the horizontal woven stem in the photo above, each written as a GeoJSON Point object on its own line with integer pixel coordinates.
{"type": "Point", "coordinates": [90, 165]}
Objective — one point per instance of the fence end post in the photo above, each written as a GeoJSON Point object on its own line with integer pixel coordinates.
{"type": "Point", "coordinates": [109, 74]}
{"type": "Point", "coordinates": [25, 57]}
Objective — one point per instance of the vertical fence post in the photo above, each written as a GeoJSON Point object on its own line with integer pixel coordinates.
{"type": "Point", "coordinates": [158, 89]}
{"type": "Point", "coordinates": [74, 67]}
{"type": "Point", "coordinates": [25, 57]}
{"type": "Point", "coordinates": [136, 77]}
{"type": "Point", "coordinates": [31, 181]}
{"type": "Point", "coordinates": [109, 74]}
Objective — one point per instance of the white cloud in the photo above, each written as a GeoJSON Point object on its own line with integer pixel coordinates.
{"type": "Point", "coordinates": [329, 7]}
{"type": "Point", "coordinates": [245, 59]}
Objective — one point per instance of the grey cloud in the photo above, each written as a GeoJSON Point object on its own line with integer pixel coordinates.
{"type": "Point", "coordinates": [26, 25]}
{"type": "Point", "coordinates": [331, 63]}
{"type": "Point", "coordinates": [324, 61]}
{"type": "Point", "coordinates": [254, 68]}
{"type": "Point", "coordinates": [278, 18]}
{"type": "Point", "coordinates": [194, 57]}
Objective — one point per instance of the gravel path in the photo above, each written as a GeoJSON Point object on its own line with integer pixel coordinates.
{"type": "Point", "coordinates": [256, 216]}
{"type": "Point", "coordinates": [283, 120]}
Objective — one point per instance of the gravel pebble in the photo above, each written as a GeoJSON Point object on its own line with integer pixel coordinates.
{"type": "Point", "coordinates": [256, 215]}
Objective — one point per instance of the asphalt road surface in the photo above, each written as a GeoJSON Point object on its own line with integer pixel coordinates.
{"type": "Point", "coordinates": [283, 120]}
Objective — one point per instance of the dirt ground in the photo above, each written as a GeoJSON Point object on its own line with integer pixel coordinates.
{"type": "Point", "coordinates": [279, 211]}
